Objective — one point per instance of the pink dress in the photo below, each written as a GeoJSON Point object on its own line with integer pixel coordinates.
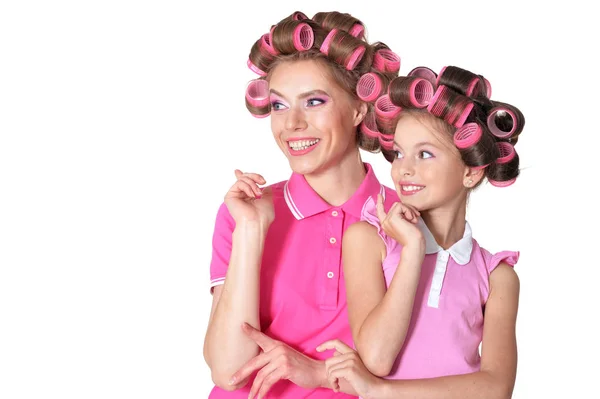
{"type": "Point", "coordinates": [446, 326]}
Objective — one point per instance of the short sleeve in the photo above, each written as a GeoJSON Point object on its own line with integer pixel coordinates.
{"type": "Point", "coordinates": [221, 246]}
{"type": "Point", "coordinates": [369, 215]}
{"type": "Point", "coordinates": [509, 257]}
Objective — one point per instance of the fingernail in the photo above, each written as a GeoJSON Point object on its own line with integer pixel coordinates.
{"type": "Point", "coordinates": [232, 381]}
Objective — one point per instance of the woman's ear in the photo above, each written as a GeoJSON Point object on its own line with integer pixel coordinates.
{"type": "Point", "coordinates": [360, 113]}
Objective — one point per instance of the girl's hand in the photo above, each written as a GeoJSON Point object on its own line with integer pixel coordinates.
{"type": "Point", "coordinates": [400, 223]}
{"type": "Point", "coordinates": [247, 202]}
{"type": "Point", "coordinates": [347, 365]}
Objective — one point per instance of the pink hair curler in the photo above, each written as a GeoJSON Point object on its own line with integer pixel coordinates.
{"type": "Point", "coordinates": [299, 16]}
{"type": "Point", "coordinates": [501, 112]}
{"type": "Point", "coordinates": [369, 126]}
{"type": "Point", "coordinates": [325, 46]}
{"type": "Point", "coordinates": [357, 30]}
{"type": "Point", "coordinates": [457, 114]}
{"type": "Point", "coordinates": [464, 115]}
{"type": "Point", "coordinates": [437, 81]}
{"type": "Point", "coordinates": [480, 166]}
{"type": "Point", "coordinates": [265, 42]}
{"type": "Point", "coordinates": [385, 109]}
{"type": "Point", "coordinates": [369, 87]}
{"type": "Point", "coordinates": [467, 135]}
{"type": "Point", "coordinates": [386, 61]}
{"type": "Point", "coordinates": [488, 88]}
{"type": "Point", "coordinates": [385, 142]}
{"type": "Point", "coordinates": [475, 85]}
{"type": "Point", "coordinates": [507, 152]}
{"type": "Point", "coordinates": [257, 93]}
{"type": "Point", "coordinates": [425, 73]}
{"type": "Point", "coordinates": [421, 91]}
{"type": "Point", "coordinates": [255, 69]}
{"type": "Point", "coordinates": [355, 57]}
{"type": "Point", "coordinates": [506, 183]}
{"type": "Point", "coordinates": [304, 37]}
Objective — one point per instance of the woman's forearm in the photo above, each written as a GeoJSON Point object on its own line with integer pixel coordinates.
{"type": "Point", "coordinates": [227, 348]}
{"type": "Point", "coordinates": [383, 332]}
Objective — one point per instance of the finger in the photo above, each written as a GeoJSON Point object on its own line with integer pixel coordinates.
{"type": "Point", "coordinates": [336, 353]}
{"type": "Point", "coordinates": [244, 187]}
{"type": "Point", "coordinates": [252, 184]}
{"type": "Point", "coordinates": [238, 173]}
{"type": "Point", "coordinates": [381, 215]}
{"type": "Point", "coordinates": [332, 362]}
{"type": "Point", "coordinates": [269, 381]}
{"type": "Point", "coordinates": [260, 378]}
{"type": "Point", "coordinates": [256, 177]}
{"type": "Point", "coordinates": [265, 342]}
{"type": "Point", "coordinates": [408, 214]}
{"type": "Point", "coordinates": [334, 344]}
{"type": "Point", "coordinates": [334, 383]}
{"type": "Point", "coordinates": [256, 363]}
{"type": "Point", "coordinates": [346, 364]}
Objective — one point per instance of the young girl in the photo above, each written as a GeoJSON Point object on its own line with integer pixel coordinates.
{"type": "Point", "coordinates": [422, 294]}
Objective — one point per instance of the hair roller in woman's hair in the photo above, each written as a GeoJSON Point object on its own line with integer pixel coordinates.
{"type": "Point", "coordinates": [468, 135]}
{"type": "Point", "coordinates": [265, 43]}
{"type": "Point", "coordinates": [355, 58]}
{"type": "Point", "coordinates": [386, 60]}
{"type": "Point", "coordinates": [257, 95]}
{"type": "Point", "coordinates": [369, 87]}
{"type": "Point", "coordinates": [255, 69]}
{"type": "Point", "coordinates": [299, 16]}
{"type": "Point", "coordinates": [325, 45]}
{"type": "Point", "coordinates": [369, 125]}
{"type": "Point", "coordinates": [357, 31]}
{"type": "Point", "coordinates": [385, 109]}
{"type": "Point", "coordinates": [386, 141]}
{"type": "Point", "coordinates": [304, 37]}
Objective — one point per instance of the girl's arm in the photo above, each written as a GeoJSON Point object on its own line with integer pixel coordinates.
{"type": "Point", "coordinates": [496, 378]}
{"type": "Point", "coordinates": [379, 320]}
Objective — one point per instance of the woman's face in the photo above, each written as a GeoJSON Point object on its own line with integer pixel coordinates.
{"type": "Point", "coordinates": [312, 118]}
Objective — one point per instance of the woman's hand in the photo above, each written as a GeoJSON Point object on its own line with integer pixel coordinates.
{"type": "Point", "coordinates": [278, 362]}
{"type": "Point", "coordinates": [247, 202]}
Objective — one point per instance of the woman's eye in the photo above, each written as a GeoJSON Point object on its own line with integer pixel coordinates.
{"type": "Point", "coordinates": [313, 102]}
{"type": "Point", "coordinates": [426, 154]}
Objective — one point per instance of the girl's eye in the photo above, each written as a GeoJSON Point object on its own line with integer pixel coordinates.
{"type": "Point", "coordinates": [313, 102]}
{"type": "Point", "coordinates": [426, 154]}
{"type": "Point", "coordinates": [398, 154]}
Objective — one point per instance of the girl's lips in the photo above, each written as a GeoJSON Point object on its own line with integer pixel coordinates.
{"type": "Point", "coordinates": [407, 188]}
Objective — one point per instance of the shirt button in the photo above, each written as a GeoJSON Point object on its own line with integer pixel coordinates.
{"type": "Point", "coordinates": [332, 240]}
{"type": "Point", "coordinates": [334, 213]}
{"type": "Point", "coordinates": [329, 274]}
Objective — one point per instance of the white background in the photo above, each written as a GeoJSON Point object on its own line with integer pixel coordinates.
{"type": "Point", "coordinates": [121, 123]}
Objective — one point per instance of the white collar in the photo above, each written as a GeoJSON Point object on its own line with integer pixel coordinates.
{"type": "Point", "coordinates": [460, 251]}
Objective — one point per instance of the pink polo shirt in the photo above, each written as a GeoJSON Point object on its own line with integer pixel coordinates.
{"type": "Point", "coordinates": [446, 327]}
{"type": "Point", "coordinates": [302, 292]}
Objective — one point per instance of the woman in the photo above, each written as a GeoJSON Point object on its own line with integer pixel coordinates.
{"type": "Point", "coordinates": [277, 252]}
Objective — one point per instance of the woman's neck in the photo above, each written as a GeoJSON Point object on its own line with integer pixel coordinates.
{"type": "Point", "coordinates": [447, 224]}
{"type": "Point", "coordinates": [337, 183]}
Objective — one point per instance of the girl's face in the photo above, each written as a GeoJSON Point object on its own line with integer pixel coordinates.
{"type": "Point", "coordinates": [313, 119]}
{"type": "Point", "coordinates": [428, 172]}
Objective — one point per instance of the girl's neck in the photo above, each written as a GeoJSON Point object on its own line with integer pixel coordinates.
{"type": "Point", "coordinates": [337, 183]}
{"type": "Point", "coordinates": [447, 224]}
